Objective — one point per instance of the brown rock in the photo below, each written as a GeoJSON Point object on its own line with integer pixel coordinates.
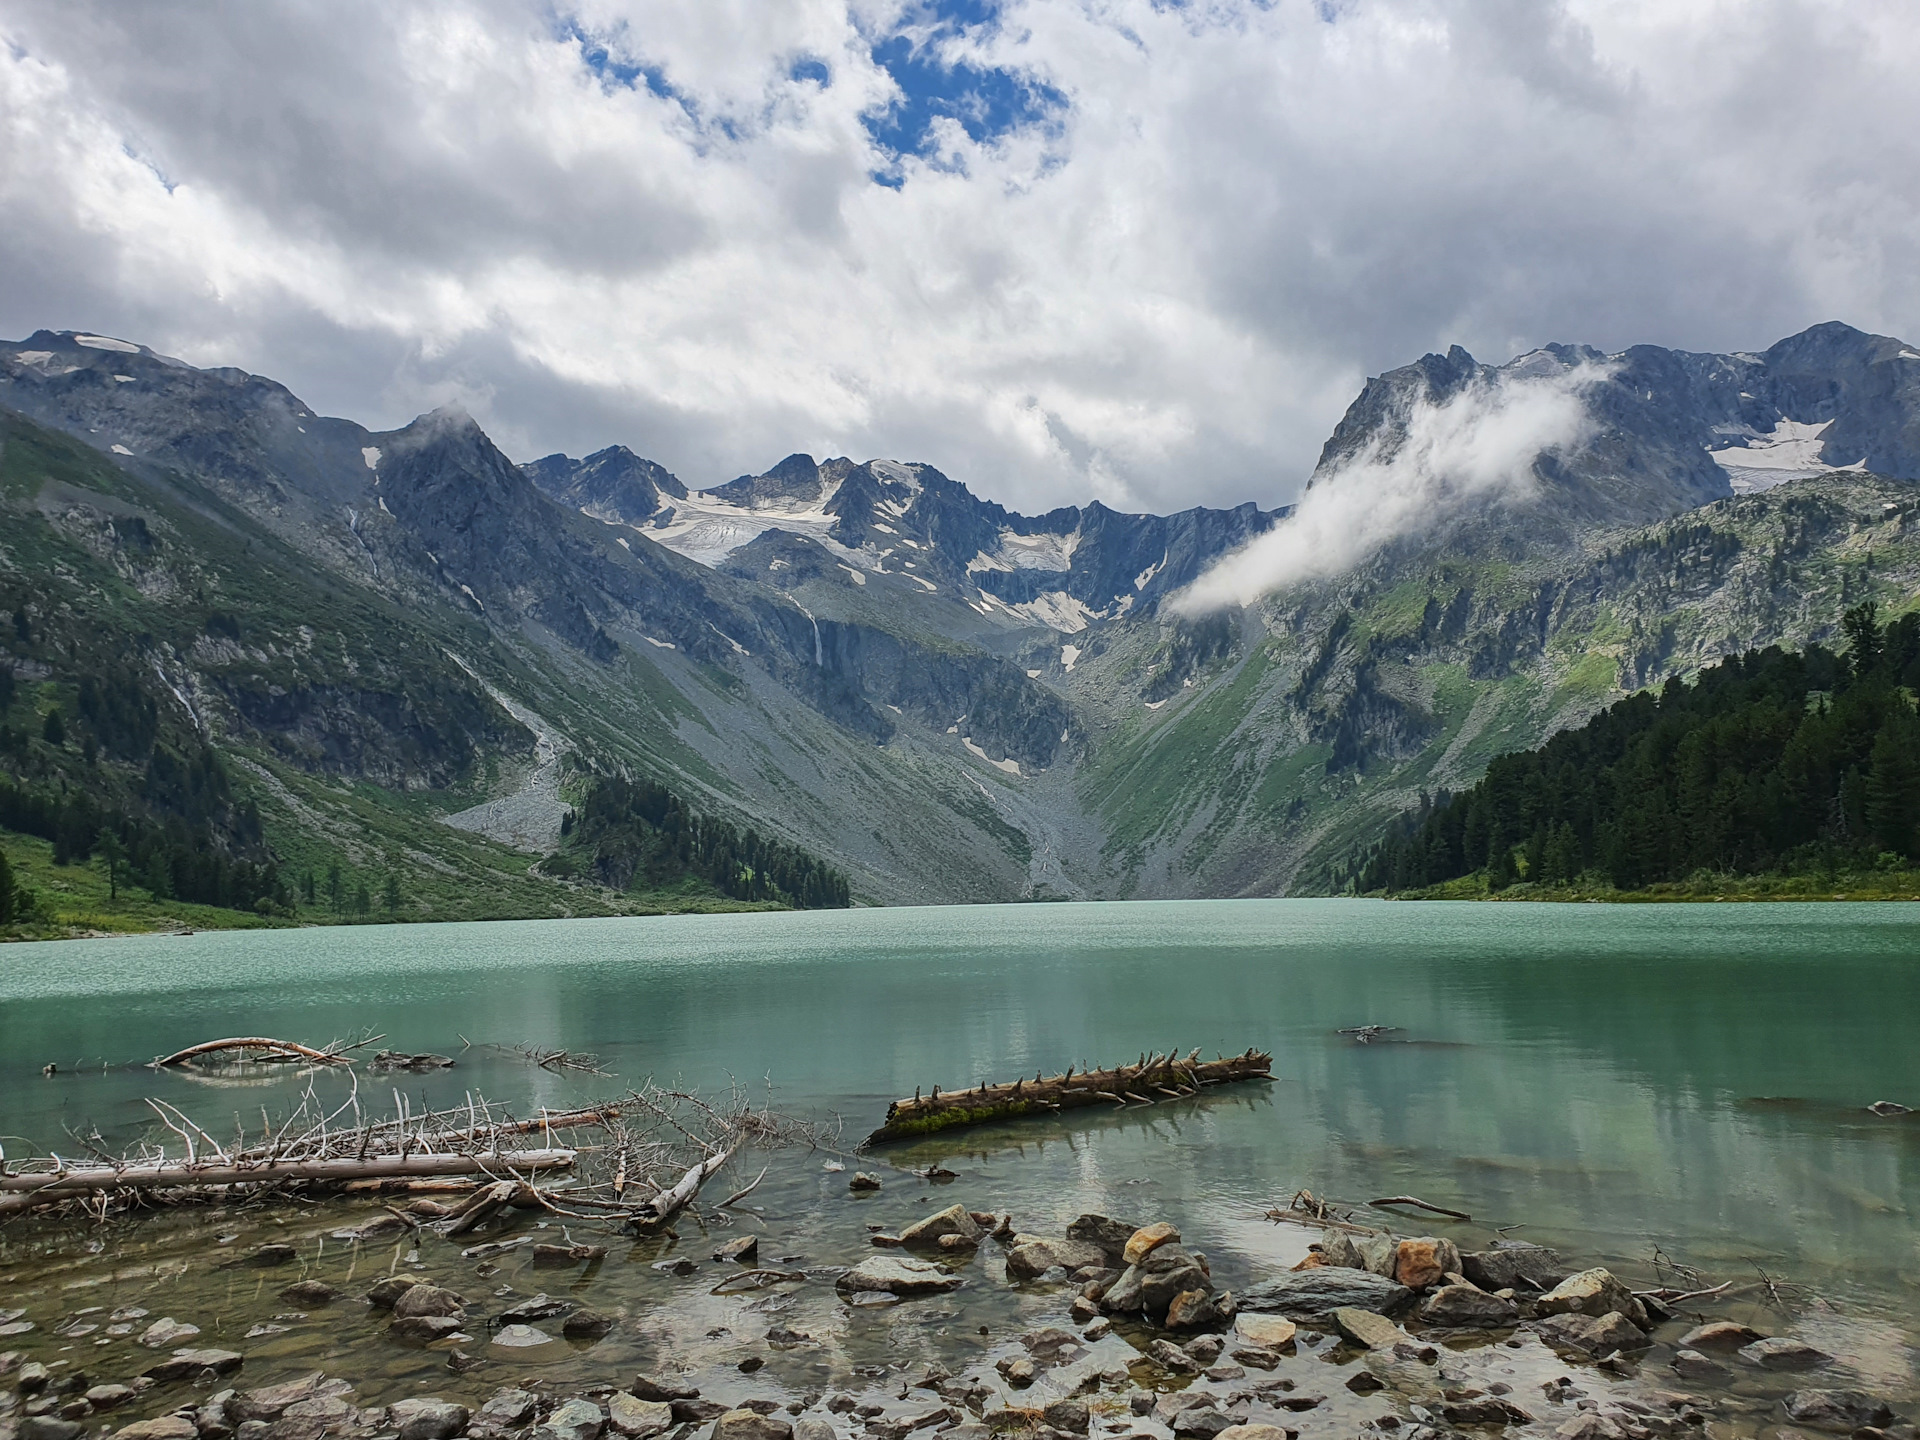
{"type": "Point", "coordinates": [1147, 1239]}
{"type": "Point", "coordinates": [1192, 1310]}
{"type": "Point", "coordinates": [1592, 1292]}
{"type": "Point", "coordinates": [184, 1364]}
{"type": "Point", "coordinates": [745, 1249]}
{"type": "Point", "coordinates": [268, 1401]}
{"type": "Point", "coordinates": [954, 1220]}
{"type": "Point", "coordinates": [1265, 1332]}
{"type": "Point", "coordinates": [1363, 1327]}
{"type": "Point", "coordinates": [161, 1427]}
{"type": "Point", "coordinates": [423, 1329]}
{"type": "Point", "coordinates": [426, 1300]}
{"type": "Point", "coordinates": [750, 1425]}
{"type": "Point", "coordinates": [385, 1292]}
{"type": "Point", "coordinates": [1721, 1336]}
{"type": "Point", "coordinates": [1425, 1262]}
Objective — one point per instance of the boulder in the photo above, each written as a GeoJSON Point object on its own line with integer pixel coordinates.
{"type": "Point", "coordinates": [576, 1419]}
{"type": "Point", "coordinates": [1425, 1262]}
{"type": "Point", "coordinates": [1313, 1295]}
{"type": "Point", "coordinates": [1172, 1357]}
{"type": "Point", "coordinates": [165, 1333]}
{"type": "Point", "coordinates": [1846, 1410]}
{"type": "Point", "coordinates": [161, 1427]}
{"type": "Point", "coordinates": [426, 1300]}
{"type": "Point", "coordinates": [507, 1410]}
{"type": "Point", "coordinates": [1030, 1256]}
{"type": "Point", "coordinates": [108, 1397]}
{"type": "Point", "coordinates": [1339, 1250]}
{"type": "Point", "coordinates": [1201, 1422]}
{"type": "Point", "coordinates": [697, 1412]}
{"type": "Point", "coordinates": [750, 1425]}
{"type": "Point", "coordinates": [897, 1275]}
{"type": "Point", "coordinates": [1019, 1373]}
{"type": "Point", "coordinates": [1592, 1292]}
{"type": "Point", "coordinates": [1122, 1297]}
{"type": "Point", "coordinates": [1363, 1327]}
{"type": "Point", "coordinates": [184, 1364]}
{"type": "Point", "coordinates": [1467, 1307]}
{"type": "Point", "coordinates": [268, 1401]}
{"type": "Point", "coordinates": [1109, 1234]}
{"type": "Point", "coordinates": [586, 1325]}
{"type": "Point", "coordinates": [1526, 1268]}
{"type": "Point", "coordinates": [425, 1417]}
{"type": "Point", "coordinates": [1692, 1365]}
{"type": "Point", "coordinates": [309, 1292]}
{"type": "Point", "coordinates": [656, 1387]}
{"type": "Point", "coordinates": [1378, 1253]}
{"type": "Point", "coordinates": [1069, 1414]}
{"type": "Point", "coordinates": [1781, 1353]}
{"type": "Point", "coordinates": [1718, 1337]}
{"type": "Point", "coordinates": [1159, 1287]}
{"type": "Point", "coordinates": [1593, 1334]}
{"type": "Point", "coordinates": [1144, 1241]}
{"type": "Point", "coordinates": [954, 1220]}
{"type": "Point", "coordinates": [385, 1292]}
{"type": "Point", "coordinates": [1265, 1332]}
{"type": "Point", "coordinates": [51, 1427]}
{"type": "Point", "coordinates": [1192, 1310]}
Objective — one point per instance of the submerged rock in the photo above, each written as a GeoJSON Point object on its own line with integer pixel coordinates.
{"type": "Point", "coordinates": [1721, 1336]}
{"type": "Point", "coordinates": [1846, 1410]}
{"type": "Point", "coordinates": [897, 1275]}
{"type": "Point", "coordinates": [520, 1337]}
{"type": "Point", "coordinates": [309, 1292]}
{"type": "Point", "coordinates": [427, 1300]}
{"type": "Point", "coordinates": [167, 1332]}
{"type": "Point", "coordinates": [1313, 1295]}
{"type": "Point", "coordinates": [1784, 1354]}
{"type": "Point", "coordinates": [427, 1418]}
{"type": "Point", "coordinates": [1692, 1365]}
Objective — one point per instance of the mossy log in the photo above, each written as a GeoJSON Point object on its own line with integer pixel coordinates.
{"type": "Point", "coordinates": [1154, 1077]}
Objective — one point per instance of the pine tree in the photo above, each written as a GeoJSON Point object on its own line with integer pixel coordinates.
{"type": "Point", "coordinates": [54, 730]}
{"type": "Point", "coordinates": [1892, 786]}
{"type": "Point", "coordinates": [393, 893]}
{"type": "Point", "coordinates": [333, 886]}
{"type": "Point", "coordinates": [6, 889]}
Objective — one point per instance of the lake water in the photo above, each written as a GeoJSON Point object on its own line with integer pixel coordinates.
{"type": "Point", "coordinates": [1608, 1078]}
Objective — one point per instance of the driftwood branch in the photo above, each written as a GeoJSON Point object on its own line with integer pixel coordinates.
{"type": "Point", "coordinates": [668, 1203]}
{"type": "Point", "coordinates": [1420, 1204]}
{"type": "Point", "coordinates": [284, 1048]}
{"type": "Point", "coordinates": [742, 1194]}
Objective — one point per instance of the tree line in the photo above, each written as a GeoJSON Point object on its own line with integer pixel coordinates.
{"type": "Point", "coordinates": [1771, 762]}
{"type": "Point", "coordinates": [635, 834]}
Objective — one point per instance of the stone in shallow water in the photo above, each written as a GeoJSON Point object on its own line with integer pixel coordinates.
{"type": "Point", "coordinates": [1265, 1332]}
{"type": "Point", "coordinates": [427, 1418]}
{"type": "Point", "coordinates": [161, 1427]}
{"type": "Point", "coordinates": [1595, 1334]}
{"type": "Point", "coordinates": [423, 1329]}
{"type": "Point", "coordinates": [1781, 1353]}
{"type": "Point", "coordinates": [638, 1419]}
{"type": "Point", "coordinates": [167, 1332]}
{"type": "Point", "coordinates": [750, 1425]}
{"type": "Point", "coordinates": [1718, 1335]}
{"type": "Point", "coordinates": [1591, 1292]}
{"type": "Point", "coordinates": [309, 1292]}
{"type": "Point", "coordinates": [898, 1275]}
{"type": "Point", "coordinates": [575, 1420]}
{"type": "Point", "coordinates": [185, 1363]}
{"type": "Point", "coordinates": [1847, 1410]}
{"type": "Point", "coordinates": [1467, 1307]}
{"type": "Point", "coordinates": [1363, 1327]}
{"type": "Point", "coordinates": [1514, 1267]}
{"type": "Point", "coordinates": [1425, 1261]}
{"type": "Point", "coordinates": [1313, 1295]}
{"type": "Point", "coordinates": [1692, 1365]}
{"type": "Point", "coordinates": [520, 1337]}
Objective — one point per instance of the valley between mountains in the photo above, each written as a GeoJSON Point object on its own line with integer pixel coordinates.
{"type": "Point", "coordinates": [410, 652]}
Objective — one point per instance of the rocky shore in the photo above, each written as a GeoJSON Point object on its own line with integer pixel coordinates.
{"type": "Point", "coordinates": [1370, 1333]}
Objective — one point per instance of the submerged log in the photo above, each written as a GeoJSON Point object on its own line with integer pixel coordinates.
{"type": "Point", "coordinates": [1173, 1075]}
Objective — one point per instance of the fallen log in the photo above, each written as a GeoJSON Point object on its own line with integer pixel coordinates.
{"type": "Point", "coordinates": [24, 1191]}
{"type": "Point", "coordinates": [1041, 1095]}
{"type": "Point", "coordinates": [284, 1049]}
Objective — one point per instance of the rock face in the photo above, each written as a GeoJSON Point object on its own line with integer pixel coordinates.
{"type": "Point", "coordinates": [1468, 1307]}
{"type": "Point", "coordinates": [954, 1220]}
{"type": "Point", "coordinates": [1525, 1268]}
{"type": "Point", "coordinates": [1844, 1410]}
{"type": "Point", "coordinates": [897, 1275]}
{"type": "Point", "coordinates": [1313, 1295]}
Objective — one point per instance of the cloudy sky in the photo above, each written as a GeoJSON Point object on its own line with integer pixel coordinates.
{"type": "Point", "coordinates": [1140, 250]}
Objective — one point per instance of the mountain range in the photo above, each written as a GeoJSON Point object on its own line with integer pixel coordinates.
{"type": "Point", "coordinates": [409, 642]}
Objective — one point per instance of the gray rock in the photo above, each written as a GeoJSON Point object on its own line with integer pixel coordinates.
{"type": "Point", "coordinates": [1123, 1296]}
{"type": "Point", "coordinates": [1466, 1307]}
{"type": "Point", "coordinates": [897, 1275]}
{"type": "Point", "coordinates": [1031, 1256]}
{"type": "Point", "coordinates": [1363, 1327]}
{"type": "Point", "coordinates": [812, 1427]}
{"type": "Point", "coordinates": [107, 1397]}
{"type": "Point", "coordinates": [1847, 1410]}
{"type": "Point", "coordinates": [1592, 1292]}
{"type": "Point", "coordinates": [309, 1292]}
{"type": "Point", "coordinates": [424, 1417]}
{"type": "Point", "coordinates": [697, 1412]}
{"type": "Point", "coordinates": [1593, 1334]}
{"type": "Point", "coordinates": [538, 1307]}
{"type": "Point", "coordinates": [749, 1425]}
{"type": "Point", "coordinates": [1486, 1410]}
{"type": "Point", "coordinates": [954, 1220]}
{"type": "Point", "coordinates": [507, 1410]}
{"type": "Point", "coordinates": [1781, 1353]}
{"type": "Point", "coordinates": [385, 1292]}
{"type": "Point", "coordinates": [587, 1325]}
{"type": "Point", "coordinates": [1254, 1432]}
{"type": "Point", "coordinates": [1201, 1422]}
{"type": "Point", "coordinates": [638, 1419]}
{"type": "Point", "coordinates": [160, 1427]}
{"type": "Point", "coordinates": [166, 1333]}
{"type": "Point", "coordinates": [267, 1402]}
{"type": "Point", "coordinates": [1718, 1336]}
{"type": "Point", "coordinates": [1339, 1251]}
{"type": "Point", "coordinates": [1313, 1295]}
{"type": "Point", "coordinates": [50, 1427]}
{"type": "Point", "coordinates": [426, 1300]}
{"type": "Point", "coordinates": [1379, 1254]}
{"type": "Point", "coordinates": [863, 1181]}
{"type": "Point", "coordinates": [743, 1249]}
{"type": "Point", "coordinates": [1172, 1357]}
{"type": "Point", "coordinates": [1525, 1268]}
{"type": "Point", "coordinates": [658, 1387]}
{"type": "Point", "coordinates": [517, 1337]}
{"type": "Point", "coordinates": [184, 1364]}
{"type": "Point", "coordinates": [1692, 1365]}
{"type": "Point", "coordinates": [1109, 1234]}
{"type": "Point", "coordinates": [575, 1420]}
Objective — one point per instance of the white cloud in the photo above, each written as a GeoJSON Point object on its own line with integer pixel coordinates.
{"type": "Point", "coordinates": [1476, 449]}
{"type": "Point", "coordinates": [1165, 296]}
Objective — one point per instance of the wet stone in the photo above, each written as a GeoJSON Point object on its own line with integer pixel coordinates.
{"type": "Point", "coordinates": [309, 1292]}
{"type": "Point", "coordinates": [426, 1300]}
{"type": "Point", "coordinates": [185, 1364]}
{"type": "Point", "coordinates": [587, 1325]}
{"type": "Point", "coordinates": [1692, 1365]}
{"type": "Point", "coordinates": [520, 1337]}
{"type": "Point", "coordinates": [1781, 1353]}
{"type": "Point", "coordinates": [1844, 1410]}
{"type": "Point", "coordinates": [1313, 1295]}
{"type": "Point", "coordinates": [167, 1332]}
{"type": "Point", "coordinates": [427, 1418]}
{"type": "Point", "coordinates": [663, 1388]}
{"type": "Point", "coordinates": [385, 1292]}
{"type": "Point", "coordinates": [638, 1419]}
{"type": "Point", "coordinates": [423, 1329]}
{"type": "Point", "coordinates": [1719, 1336]}
{"type": "Point", "coordinates": [750, 1425]}
{"type": "Point", "coordinates": [1363, 1327]}
{"type": "Point", "coordinates": [1525, 1268]}
{"type": "Point", "coordinates": [575, 1419]}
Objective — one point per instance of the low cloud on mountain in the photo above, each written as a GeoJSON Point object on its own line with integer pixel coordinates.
{"type": "Point", "coordinates": [1130, 250]}
{"type": "Point", "coordinates": [1475, 449]}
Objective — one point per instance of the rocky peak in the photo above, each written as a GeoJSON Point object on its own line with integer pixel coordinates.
{"type": "Point", "coordinates": [613, 484]}
{"type": "Point", "coordinates": [796, 478]}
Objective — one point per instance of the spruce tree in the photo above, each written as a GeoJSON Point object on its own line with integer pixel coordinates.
{"type": "Point", "coordinates": [6, 889]}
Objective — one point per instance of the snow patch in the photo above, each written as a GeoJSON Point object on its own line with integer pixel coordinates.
{"type": "Point", "coordinates": [1903, 355]}
{"type": "Point", "coordinates": [382, 500]}
{"type": "Point", "coordinates": [660, 644]}
{"type": "Point", "coordinates": [858, 578]}
{"type": "Point", "coordinates": [1033, 674]}
{"type": "Point", "coordinates": [925, 584]}
{"type": "Point", "coordinates": [467, 590]}
{"type": "Point", "coordinates": [33, 357]}
{"type": "Point", "coordinates": [1012, 767]}
{"type": "Point", "coordinates": [1057, 610]}
{"type": "Point", "coordinates": [371, 454]}
{"type": "Point", "coordinates": [619, 540]}
{"type": "Point", "coordinates": [1145, 577]}
{"type": "Point", "coordinates": [887, 528]}
{"type": "Point", "coordinates": [120, 450]}
{"type": "Point", "coordinates": [1069, 654]}
{"type": "Point", "coordinates": [738, 648]}
{"type": "Point", "coordinates": [1790, 451]}
{"type": "Point", "coordinates": [106, 342]}
{"type": "Point", "coordinates": [1155, 704]}
{"type": "Point", "coordinates": [124, 379]}
{"type": "Point", "coordinates": [899, 474]}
